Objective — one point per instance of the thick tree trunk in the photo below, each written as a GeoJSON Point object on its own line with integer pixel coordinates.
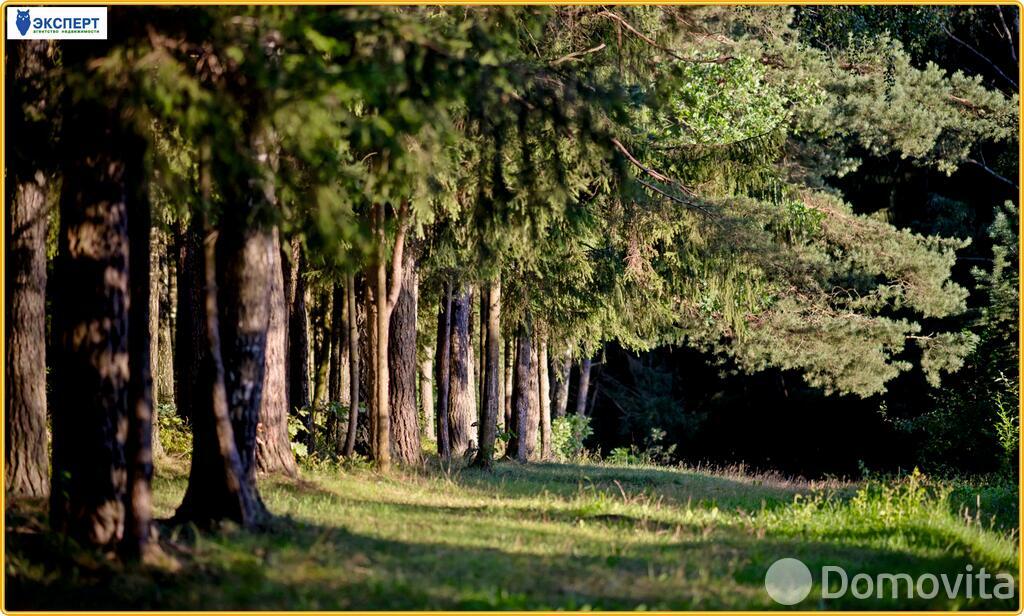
{"type": "Point", "coordinates": [405, 428]}
{"type": "Point", "coordinates": [519, 445]}
{"type": "Point", "coordinates": [190, 342]}
{"type": "Point", "coordinates": [584, 388]}
{"type": "Point", "coordinates": [142, 334]}
{"type": "Point", "coordinates": [27, 466]}
{"type": "Point", "coordinates": [273, 446]}
{"type": "Point", "coordinates": [353, 364]}
{"type": "Point", "coordinates": [427, 393]}
{"type": "Point", "coordinates": [443, 372]}
{"type": "Point", "coordinates": [90, 407]}
{"type": "Point", "coordinates": [562, 368]}
{"type": "Point", "coordinates": [218, 488]}
{"type": "Point", "coordinates": [298, 339]}
{"type": "Point", "coordinates": [544, 399]}
{"type": "Point", "coordinates": [491, 377]}
{"type": "Point", "coordinates": [530, 424]}
{"type": "Point", "coordinates": [461, 410]}
{"type": "Point", "coordinates": [244, 288]}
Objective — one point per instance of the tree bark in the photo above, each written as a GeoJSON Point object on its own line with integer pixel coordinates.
{"type": "Point", "coordinates": [244, 288]}
{"type": "Point", "coordinates": [298, 339]}
{"type": "Point", "coordinates": [273, 445]}
{"type": "Point", "coordinates": [218, 488]}
{"type": "Point", "coordinates": [386, 297]}
{"type": "Point", "coordinates": [461, 410]}
{"type": "Point", "coordinates": [27, 466]}
{"type": "Point", "coordinates": [531, 423]}
{"type": "Point", "coordinates": [190, 342]}
{"type": "Point", "coordinates": [322, 329]}
{"type": "Point", "coordinates": [90, 407]}
{"type": "Point", "coordinates": [338, 392]}
{"type": "Point", "coordinates": [155, 250]}
{"type": "Point", "coordinates": [443, 374]}
{"type": "Point", "coordinates": [405, 429]}
{"type": "Point", "coordinates": [353, 364]}
{"type": "Point", "coordinates": [142, 334]}
{"type": "Point", "coordinates": [164, 376]}
{"type": "Point", "coordinates": [520, 446]}
{"type": "Point", "coordinates": [510, 368]}
{"type": "Point", "coordinates": [491, 404]}
{"type": "Point", "coordinates": [583, 388]}
{"type": "Point", "coordinates": [427, 393]}
{"type": "Point", "coordinates": [545, 400]}
{"type": "Point", "coordinates": [562, 368]}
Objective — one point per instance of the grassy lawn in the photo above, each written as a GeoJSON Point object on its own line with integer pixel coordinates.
{"type": "Point", "coordinates": [538, 536]}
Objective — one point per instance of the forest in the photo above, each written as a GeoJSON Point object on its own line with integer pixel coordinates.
{"type": "Point", "coordinates": [512, 307]}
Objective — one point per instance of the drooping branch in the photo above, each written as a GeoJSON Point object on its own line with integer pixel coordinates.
{"type": "Point", "coordinates": [980, 55]}
{"type": "Point", "coordinates": [625, 24]}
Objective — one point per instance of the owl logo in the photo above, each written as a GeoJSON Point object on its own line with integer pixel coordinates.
{"type": "Point", "coordinates": [23, 22]}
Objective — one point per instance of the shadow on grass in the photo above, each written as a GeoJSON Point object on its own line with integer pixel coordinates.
{"type": "Point", "coordinates": [301, 565]}
{"type": "Point", "coordinates": [671, 486]}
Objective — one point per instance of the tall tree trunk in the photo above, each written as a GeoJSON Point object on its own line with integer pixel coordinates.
{"type": "Point", "coordinates": [482, 352]}
{"type": "Point", "coordinates": [545, 399]}
{"type": "Point", "coordinates": [244, 288]}
{"type": "Point", "coordinates": [142, 334]}
{"type": "Point", "coordinates": [244, 281]}
{"type": "Point", "coordinates": [273, 445]}
{"type": "Point", "coordinates": [90, 408]}
{"type": "Point", "coordinates": [386, 297]}
{"type": "Point", "coordinates": [491, 377]}
{"type": "Point", "coordinates": [338, 392]}
{"type": "Point", "coordinates": [584, 388]}
{"type": "Point", "coordinates": [443, 374]}
{"type": "Point", "coordinates": [27, 466]}
{"type": "Point", "coordinates": [353, 364]}
{"type": "Point", "coordinates": [163, 378]}
{"type": "Point", "coordinates": [473, 370]}
{"type": "Point", "coordinates": [562, 368]}
{"type": "Point", "coordinates": [322, 348]}
{"type": "Point", "coordinates": [405, 429]}
{"type": "Point", "coordinates": [427, 393]}
{"type": "Point", "coordinates": [531, 423]}
{"type": "Point", "coordinates": [369, 362]}
{"type": "Point", "coordinates": [510, 369]}
{"type": "Point", "coordinates": [218, 488]}
{"type": "Point", "coordinates": [156, 250]}
{"type": "Point", "coordinates": [461, 411]}
{"type": "Point", "coordinates": [190, 344]}
{"type": "Point", "coordinates": [298, 339]}
{"type": "Point", "coordinates": [519, 445]}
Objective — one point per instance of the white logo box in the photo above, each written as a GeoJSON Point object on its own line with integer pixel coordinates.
{"type": "Point", "coordinates": [57, 22]}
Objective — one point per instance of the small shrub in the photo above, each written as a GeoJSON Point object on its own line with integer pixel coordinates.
{"type": "Point", "coordinates": [175, 433]}
{"type": "Point", "coordinates": [567, 436]}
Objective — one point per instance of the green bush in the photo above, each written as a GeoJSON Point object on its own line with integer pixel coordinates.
{"type": "Point", "coordinates": [567, 436]}
{"type": "Point", "coordinates": [175, 433]}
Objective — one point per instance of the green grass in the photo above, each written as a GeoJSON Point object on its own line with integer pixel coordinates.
{"type": "Point", "coordinates": [524, 537]}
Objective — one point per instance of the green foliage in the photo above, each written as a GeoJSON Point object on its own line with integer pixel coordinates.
{"type": "Point", "coordinates": [568, 435]}
{"type": "Point", "coordinates": [175, 434]}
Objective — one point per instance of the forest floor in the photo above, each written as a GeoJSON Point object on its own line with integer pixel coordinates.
{"type": "Point", "coordinates": [587, 536]}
